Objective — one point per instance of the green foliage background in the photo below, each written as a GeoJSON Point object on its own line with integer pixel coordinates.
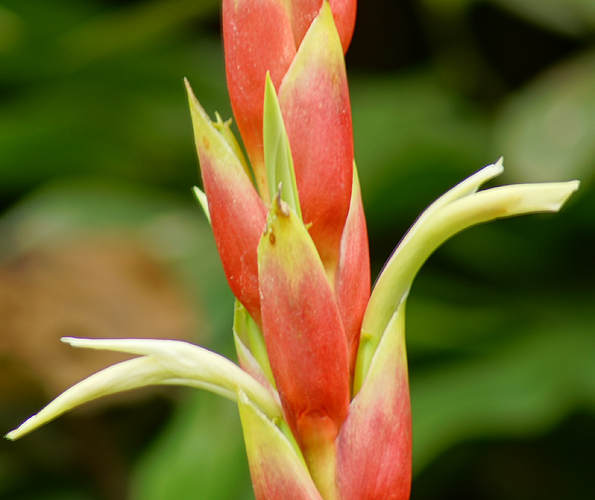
{"type": "Point", "coordinates": [95, 132]}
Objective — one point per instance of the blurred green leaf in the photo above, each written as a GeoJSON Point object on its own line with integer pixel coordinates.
{"type": "Point", "coordinates": [172, 227]}
{"type": "Point", "coordinates": [200, 455]}
{"type": "Point", "coordinates": [59, 494]}
{"type": "Point", "coordinates": [521, 389]}
{"type": "Point", "coordinates": [10, 30]}
{"type": "Point", "coordinates": [547, 130]}
{"type": "Point", "coordinates": [574, 17]}
{"type": "Point", "coordinates": [174, 232]}
{"type": "Point", "coordinates": [413, 138]}
{"type": "Point", "coordinates": [448, 6]}
{"type": "Point", "coordinates": [123, 114]}
{"type": "Point", "coordinates": [136, 25]}
{"type": "Point", "coordinates": [440, 326]}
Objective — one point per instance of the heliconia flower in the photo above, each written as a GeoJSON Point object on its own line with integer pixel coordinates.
{"type": "Point", "coordinates": [236, 212]}
{"type": "Point", "coordinates": [310, 101]}
{"type": "Point", "coordinates": [352, 281]}
{"type": "Point", "coordinates": [278, 470]}
{"type": "Point", "coordinates": [298, 44]}
{"type": "Point", "coordinates": [322, 387]}
{"type": "Point", "coordinates": [362, 451]}
{"type": "Point", "coordinates": [261, 37]}
{"type": "Point", "coordinates": [163, 362]}
{"type": "Point", "coordinates": [377, 433]}
{"type": "Point", "coordinates": [309, 355]}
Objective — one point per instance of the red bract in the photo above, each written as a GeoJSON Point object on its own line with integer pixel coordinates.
{"type": "Point", "coordinates": [313, 273]}
{"type": "Point", "coordinates": [293, 285]}
{"type": "Point", "coordinates": [285, 39]}
{"type": "Point", "coordinates": [308, 72]}
{"type": "Point", "coordinates": [237, 213]}
{"type": "Point", "coordinates": [261, 36]}
{"type": "Point", "coordinates": [377, 433]}
{"type": "Point", "coordinates": [303, 13]}
{"type": "Point", "coordinates": [304, 335]}
{"type": "Point", "coordinates": [314, 100]}
{"type": "Point", "coordinates": [257, 38]}
{"type": "Point", "coordinates": [352, 283]}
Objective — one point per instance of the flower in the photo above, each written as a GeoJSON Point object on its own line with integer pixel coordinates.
{"type": "Point", "coordinates": [308, 87]}
{"type": "Point", "coordinates": [322, 386]}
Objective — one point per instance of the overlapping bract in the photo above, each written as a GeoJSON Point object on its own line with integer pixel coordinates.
{"type": "Point", "coordinates": [265, 36]}
{"type": "Point", "coordinates": [312, 357]}
{"type": "Point", "coordinates": [275, 36]}
{"type": "Point", "coordinates": [313, 261]}
{"type": "Point", "coordinates": [323, 391]}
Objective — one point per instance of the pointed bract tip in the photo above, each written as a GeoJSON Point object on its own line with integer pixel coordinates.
{"type": "Point", "coordinates": [498, 167]}
{"type": "Point", "coordinates": [191, 96]}
{"type": "Point", "coordinates": [12, 435]}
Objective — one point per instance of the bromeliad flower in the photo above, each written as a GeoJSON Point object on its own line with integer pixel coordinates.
{"type": "Point", "coordinates": [322, 386]}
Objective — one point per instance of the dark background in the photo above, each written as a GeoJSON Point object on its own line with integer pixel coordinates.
{"type": "Point", "coordinates": [100, 236]}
